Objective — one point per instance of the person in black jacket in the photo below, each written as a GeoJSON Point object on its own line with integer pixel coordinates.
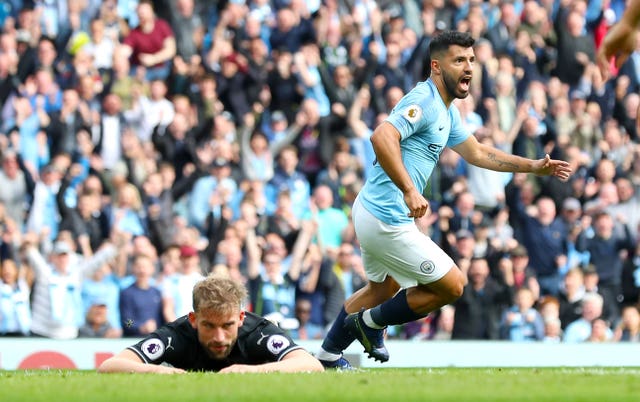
{"type": "Point", "coordinates": [478, 311]}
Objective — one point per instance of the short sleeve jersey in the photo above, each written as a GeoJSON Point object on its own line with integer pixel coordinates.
{"type": "Point", "coordinates": [259, 341]}
{"type": "Point", "coordinates": [148, 42]}
{"type": "Point", "coordinates": [426, 126]}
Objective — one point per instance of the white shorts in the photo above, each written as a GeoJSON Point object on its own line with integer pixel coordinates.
{"type": "Point", "coordinates": [402, 252]}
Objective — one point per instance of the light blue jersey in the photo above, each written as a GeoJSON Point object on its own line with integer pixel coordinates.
{"type": "Point", "coordinates": [426, 126]}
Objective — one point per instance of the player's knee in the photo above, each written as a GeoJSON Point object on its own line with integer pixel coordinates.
{"type": "Point", "coordinates": [456, 285]}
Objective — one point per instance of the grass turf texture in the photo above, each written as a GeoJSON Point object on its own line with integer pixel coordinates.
{"type": "Point", "coordinates": [442, 384]}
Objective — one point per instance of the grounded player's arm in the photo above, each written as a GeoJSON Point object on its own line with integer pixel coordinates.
{"type": "Point", "coordinates": [488, 157]}
{"type": "Point", "coordinates": [296, 361]}
{"type": "Point", "coordinates": [128, 361]}
{"type": "Point", "coordinates": [386, 144]}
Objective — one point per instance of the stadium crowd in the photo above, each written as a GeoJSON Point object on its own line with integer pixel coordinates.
{"type": "Point", "coordinates": [147, 144]}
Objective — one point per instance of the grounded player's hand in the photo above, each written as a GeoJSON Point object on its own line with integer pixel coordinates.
{"type": "Point", "coordinates": [167, 370]}
{"type": "Point", "coordinates": [240, 368]}
{"type": "Point", "coordinates": [552, 167]}
{"type": "Point", "coordinates": [418, 205]}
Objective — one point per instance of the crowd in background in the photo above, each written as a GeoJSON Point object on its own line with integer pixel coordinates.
{"type": "Point", "coordinates": [147, 144]}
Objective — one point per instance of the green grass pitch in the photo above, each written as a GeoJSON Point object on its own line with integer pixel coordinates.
{"type": "Point", "coordinates": [441, 384]}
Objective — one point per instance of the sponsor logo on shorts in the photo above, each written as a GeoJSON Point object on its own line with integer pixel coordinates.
{"type": "Point", "coordinates": [153, 348]}
{"type": "Point", "coordinates": [427, 267]}
{"type": "Point", "coordinates": [277, 343]}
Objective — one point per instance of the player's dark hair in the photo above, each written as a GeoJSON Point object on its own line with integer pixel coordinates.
{"type": "Point", "coordinates": [441, 43]}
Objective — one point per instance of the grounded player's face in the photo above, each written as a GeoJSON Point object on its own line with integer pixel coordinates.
{"type": "Point", "coordinates": [217, 332]}
{"type": "Point", "coordinates": [457, 70]}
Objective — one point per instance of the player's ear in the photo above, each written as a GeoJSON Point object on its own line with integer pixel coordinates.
{"type": "Point", "coordinates": [435, 67]}
{"type": "Point", "coordinates": [241, 317]}
{"type": "Point", "coordinates": [192, 319]}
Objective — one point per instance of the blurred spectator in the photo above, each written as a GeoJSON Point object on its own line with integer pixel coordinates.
{"type": "Point", "coordinates": [188, 28]}
{"type": "Point", "coordinates": [331, 221]}
{"type": "Point", "coordinates": [15, 310]}
{"type": "Point", "coordinates": [103, 287]}
{"type": "Point", "coordinates": [521, 322]}
{"type": "Point", "coordinates": [576, 48]}
{"type": "Point", "coordinates": [258, 152]}
{"type": "Point", "coordinates": [44, 217]}
{"type": "Point", "coordinates": [502, 34]}
{"type": "Point", "coordinates": [478, 310]}
{"type": "Point", "coordinates": [631, 278]}
{"type": "Point", "coordinates": [306, 330]}
{"type": "Point", "coordinates": [96, 323]}
{"type": "Point", "coordinates": [141, 303]}
{"type": "Point", "coordinates": [570, 296]}
{"type": "Point", "coordinates": [151, 45]}
{"type": "Point", "coordinates": [149, 112]}
{"type": "Point", "coordinates": [271, 288]}
{"type": "Point", "coordinates": [349, 270]}
{"type": "Point", "coordinates": [102, 46]}
{"type": "Point", "coordinates": [540, 234]}
{"type": "Point", "coordinates": [211, 193]}
{"type": "Point", "coordinates": [580, 330]}
{"type": "Point", "coordinates": [287, 177]}
{"type": "Point", "coordinates": [177, 289]}
{"type": "Point", "coordinates": [56, 304]}
{"type": "Point", "coordinates": [341, 173]}
{"type": "Point", "coordinates": [627, 210]}
{"type": "Point", "coordinates": [16, 187]}
{"type": "Point", "coordinates": [628, 329]}
{"type": "Point", "coordinates": [517, 273]}
{"type": "Point", "coordinates": [604, 248]}
{"type": "Point", "coordinates": [600, 331]}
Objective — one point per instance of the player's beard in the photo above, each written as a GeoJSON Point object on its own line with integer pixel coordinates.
{"type": "Point", "coordinates": [218, 354]}
{"type": "Point", "coordinates": [453, 85]}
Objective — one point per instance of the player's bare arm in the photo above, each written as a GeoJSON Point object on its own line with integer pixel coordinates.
{"type": "Point", "coordinates": [487, 157]}
{"type": "Point", "coordinates": [386, 144]}
{"type": "Point", "coordinates": [129, 362]}
{"type": "Point", "coordinates": [295, 361]}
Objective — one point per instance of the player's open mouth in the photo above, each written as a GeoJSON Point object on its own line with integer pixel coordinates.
{"type": "Point", "coordinates": [465, 82]}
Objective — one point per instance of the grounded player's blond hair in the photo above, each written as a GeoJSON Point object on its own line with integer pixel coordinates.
{"type": "Point", "coordinates": [218, 293]}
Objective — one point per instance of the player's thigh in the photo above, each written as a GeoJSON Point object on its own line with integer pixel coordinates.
{"type": "Point", "coordinates": [402, 252]}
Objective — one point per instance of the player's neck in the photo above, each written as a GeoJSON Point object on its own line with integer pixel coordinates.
{"type": "Point", "coordinates": [442, 90]}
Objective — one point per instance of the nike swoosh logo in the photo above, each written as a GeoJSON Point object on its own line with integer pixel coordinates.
{"type": "Point", "coordinates": [441, 128]}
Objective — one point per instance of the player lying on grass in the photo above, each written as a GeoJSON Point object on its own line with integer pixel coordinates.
{"type": "Point", "coordinates": [217, 336]}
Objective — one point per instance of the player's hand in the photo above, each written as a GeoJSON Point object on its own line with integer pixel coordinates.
{"type": "Point", "coordinates": [418, 205]}
{"type": "Point", "coordinates": [619, 42]}
{"type": "Point", "coordinates": [552, 167]}
{"type": "Point", "coordinates": [159, 369]}
{"type": "Point", "coordinates": [240, 368]}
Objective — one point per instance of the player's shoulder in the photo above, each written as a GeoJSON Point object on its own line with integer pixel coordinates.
{"type": "Point", "coordinates": [422, 101]}
{"type": "Point", "coordinates": [261, 335]}
{"type": "Point", "coordinates": [256, 327]}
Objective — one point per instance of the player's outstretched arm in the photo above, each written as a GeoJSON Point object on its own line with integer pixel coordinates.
{"type": "Point", "coordinates": [129, 362]}
{"type": "Point", "coordinates": [620, 40]}
{"type": "Point", "coordinates": [298, 360]}
{"type": "Point", "coordinates": [488, 157]}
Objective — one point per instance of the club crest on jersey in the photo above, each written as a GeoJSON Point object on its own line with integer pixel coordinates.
{"type": "Point", "coordinates": [427, 267]}
{"type": "Point", "coordinates": [412, 113]}
{"type": "Point", "coordinates": [153, 348]}
{"type": "Point", "coordinates": [277, 343]}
